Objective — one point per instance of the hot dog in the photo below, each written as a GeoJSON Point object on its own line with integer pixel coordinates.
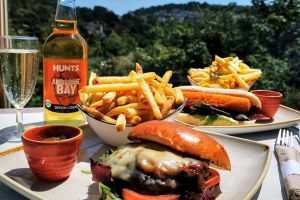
{"type": "Point", "coordinates": [214, 106]}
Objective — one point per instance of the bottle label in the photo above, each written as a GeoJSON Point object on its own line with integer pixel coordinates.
{"type": "Point", "coordinates": [63, 78]}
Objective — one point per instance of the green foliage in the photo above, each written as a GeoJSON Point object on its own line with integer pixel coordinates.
{"type": "Point", "coordinates": [265, 35]}
{"type": "Point", "coordinates": [276, 74]}
{"type": "Point", "coordinates": [292, 99]}
{"type": "Point", "coordinates": [291, 56]}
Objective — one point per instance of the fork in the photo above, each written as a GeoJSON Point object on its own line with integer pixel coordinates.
{"type": "Point", "coordinates": [285, 138]}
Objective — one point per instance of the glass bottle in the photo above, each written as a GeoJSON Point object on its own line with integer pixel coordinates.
{"type": "Point", "coordinates": [65, 60]}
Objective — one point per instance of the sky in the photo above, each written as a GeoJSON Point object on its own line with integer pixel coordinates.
{"type": "Point", "coordinates": [121, 7]}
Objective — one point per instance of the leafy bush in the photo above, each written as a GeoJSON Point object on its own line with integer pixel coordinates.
{"type": "Point", "coordinates": [265, 35]}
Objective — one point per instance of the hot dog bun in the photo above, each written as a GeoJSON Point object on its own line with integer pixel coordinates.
{"type": "Point", "coordinates": [183, 139]}
{"type": "Point", "coordinates": [254, 101]}
{"type": "Point", "coordinates": [222, 101]}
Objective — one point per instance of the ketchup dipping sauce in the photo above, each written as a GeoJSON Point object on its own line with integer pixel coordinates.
{"type": "Point", "coordinates": [270, 101]}
{"type": "Point", "coordinates": [52, 150]}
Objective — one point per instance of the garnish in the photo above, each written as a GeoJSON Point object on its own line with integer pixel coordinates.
{"type": "Point", "coordinates": [202, 107]}
{"type": "Point", "coordinates": [106, 193]}
{"type": "Point", "coordinates": [241, 117]}
{"type": "Point", "coordinates": [104, 156]}
{"type": "Point", "coordinates": [86, 171]}
{"type": "Point", "coordinates": [205, 195]}
{"type": "Point", "coordinates": [101, 173]}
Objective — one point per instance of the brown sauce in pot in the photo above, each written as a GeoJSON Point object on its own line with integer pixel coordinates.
{"type": "Point", "coordinates": [52, 139]}
{"type": "Point", "coordinates": [53, 134]}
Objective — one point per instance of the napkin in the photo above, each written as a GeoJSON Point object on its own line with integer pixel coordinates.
{"type": "Point", "coordinates": [290, 169]}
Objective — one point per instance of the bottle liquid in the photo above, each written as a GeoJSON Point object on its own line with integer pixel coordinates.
{"type": "Point", "coordinates": [65, 60]}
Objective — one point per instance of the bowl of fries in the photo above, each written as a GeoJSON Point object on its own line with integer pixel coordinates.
{"type": "Point", "coordinates": [113, 105]}
{"type": "Point", "coordinates": [228, 73]}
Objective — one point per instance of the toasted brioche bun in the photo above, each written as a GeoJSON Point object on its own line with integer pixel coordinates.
{"type": "Point", "coordinates": [254, 101]}
{"type": "Point", "coordinates": [183, 139]}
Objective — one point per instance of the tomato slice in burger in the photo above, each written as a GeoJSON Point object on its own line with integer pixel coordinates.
{"type": "Point", "coordinates": [213, 179]}
{"type": "Point", "coordinates": [131, 195]}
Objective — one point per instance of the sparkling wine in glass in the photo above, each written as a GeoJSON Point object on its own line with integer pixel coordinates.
{"type": "Point", "coordinates": [19, 66]}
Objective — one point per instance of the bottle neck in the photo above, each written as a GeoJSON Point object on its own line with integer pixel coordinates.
{"type": "Point", "coordinates": [65, 18]}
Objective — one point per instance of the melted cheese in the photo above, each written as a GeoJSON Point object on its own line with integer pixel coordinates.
{"type": "Point", "coordinates": [149, 157]}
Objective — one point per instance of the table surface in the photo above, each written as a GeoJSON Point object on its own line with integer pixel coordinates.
{"type": "Point", "coordinates": [272, 187]}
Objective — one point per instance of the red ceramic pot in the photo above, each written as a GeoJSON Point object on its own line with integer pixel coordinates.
{"type": "Point", "coordinates": [52, 150]}
{"type": "Point", "coordinates": [270, 101]}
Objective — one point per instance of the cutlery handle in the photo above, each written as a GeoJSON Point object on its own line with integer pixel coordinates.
{"type": "Point", "coordinates": [11, 150]}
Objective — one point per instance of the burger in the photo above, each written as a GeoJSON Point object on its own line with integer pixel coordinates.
{"type": "Point", "coordinates": [166, 160]}
{"type": "Point", "coordinates": [220, 107]}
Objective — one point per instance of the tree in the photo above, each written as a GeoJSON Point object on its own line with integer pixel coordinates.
{"type": "Point", "coordinates": [177, 37]}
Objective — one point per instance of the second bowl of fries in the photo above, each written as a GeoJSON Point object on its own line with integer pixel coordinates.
{"type": "Point", "coordinates": [228, 73]}
{"type": "Point", "coordinates": [113, 105]}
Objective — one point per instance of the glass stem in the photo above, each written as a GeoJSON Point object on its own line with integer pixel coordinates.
{"type": "Point", "coordinates": [19, 120]}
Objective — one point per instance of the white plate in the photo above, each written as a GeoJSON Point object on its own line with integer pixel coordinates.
{"type": "Point", "coordinates": [246, 156]}
{"type": "Point", "coordinates": [285, 117]}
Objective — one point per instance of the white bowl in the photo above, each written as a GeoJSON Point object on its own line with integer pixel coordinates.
{"type": "Point", "coordinates": [108, 133]}
{"type": "Point", "coordinates": [194, 83]}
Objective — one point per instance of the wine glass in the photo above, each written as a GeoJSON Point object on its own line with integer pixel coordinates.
{"type": "Point", "coordinates": [19, 66]}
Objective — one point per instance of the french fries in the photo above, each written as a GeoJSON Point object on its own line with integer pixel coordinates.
{"type": "Point", "coordinates": [98, 114]}
{"type": "Point", "coordinates": [131, 112]}
{"type": "Point", "coordinates": [179, 98]}
{"type": "Point", "coordinates": [97, 104]}
{"type": "Point", "coordinates": [233, 69]}
{"type": "Point", "coordinates": [229, 73]}
{"type": "Point", "coordinates": [92, 77]}
{"type": "Point", "coordinates": [150, 98]}
{"type": "Point", "coordinates": [109, 97]}
{"type": "Point", "coordinates": [110, 87]}
{"type": "Point", "coordinates": [121, 109]}
{"type": "Point", "coordinates": [121, 123]}
{"type": "Point", "coordinates": [138, 68]}
{"type": "Point", "coordinates": [123, 79]}
{"type": "Point", "coordinates": [168, 106]}
{"type": "Point", "coordinates": [130, 99]}
{"type": "Point", "coordinates": [135, 120]}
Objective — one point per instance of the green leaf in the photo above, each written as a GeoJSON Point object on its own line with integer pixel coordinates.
{"type": "Point", "coordinates": [106, 193]}
{"type": "Point", "coordinates": [86, 172]}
